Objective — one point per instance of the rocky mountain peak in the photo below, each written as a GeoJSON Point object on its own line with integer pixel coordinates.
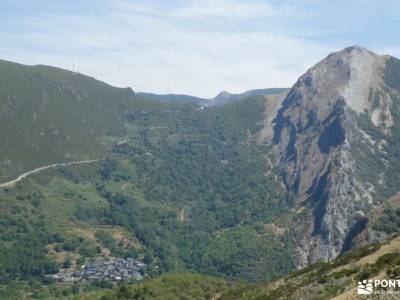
{"type": "Point", "coordinates": [222, 95]}
{"type": "Point", "coordinates": [354, 75]}
{"type": "Point", "coordinates": [318, 132]}
{"type": "Point", "coordinates": [356, 48]}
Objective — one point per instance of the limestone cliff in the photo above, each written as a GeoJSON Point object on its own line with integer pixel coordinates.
{"type": "Point", "coordinates": [334, 126]}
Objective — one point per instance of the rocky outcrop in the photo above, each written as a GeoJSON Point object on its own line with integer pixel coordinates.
{"type": "Point", "coordinates": [318, 143]}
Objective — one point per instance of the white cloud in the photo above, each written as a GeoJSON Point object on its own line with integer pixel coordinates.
{"type": "Point", "coordinates": [193, 47]}
{"type": "Point", "coordinates": [225, 9]}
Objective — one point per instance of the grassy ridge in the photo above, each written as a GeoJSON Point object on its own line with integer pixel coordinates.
{"type": "Point", "coordinates": [51, 115]}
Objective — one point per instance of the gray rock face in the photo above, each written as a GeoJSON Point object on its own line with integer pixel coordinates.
{"type": "Point", "coordinates": [315, 133]}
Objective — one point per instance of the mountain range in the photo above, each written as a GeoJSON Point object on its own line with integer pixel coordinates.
{"type": "Point", "coordinates": [247, 186]}
{"type": "Point", "coordinates": [222, 97]}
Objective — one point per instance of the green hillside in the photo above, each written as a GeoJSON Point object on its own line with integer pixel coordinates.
{"type": "Point", "coordinates": [50, 115]}
{"type": "Point", "coordinates": [183, 188]}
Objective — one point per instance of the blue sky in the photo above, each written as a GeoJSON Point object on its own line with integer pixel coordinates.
{"type": "Point", "coordinates": [192, 46]}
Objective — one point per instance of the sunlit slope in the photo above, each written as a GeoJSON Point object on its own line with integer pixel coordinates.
{"type": "Point", "coordinates": [50, 115]}
{"type": "Point", "coordinates": [335, 280]}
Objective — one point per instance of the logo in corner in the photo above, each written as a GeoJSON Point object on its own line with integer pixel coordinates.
{"type": "Point", "coordinates": [364, 287]}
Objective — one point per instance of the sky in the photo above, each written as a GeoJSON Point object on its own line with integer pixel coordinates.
{"type": "Point", "coordinates": [196, 47]}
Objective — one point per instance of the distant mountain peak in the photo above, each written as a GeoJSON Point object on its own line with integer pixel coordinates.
{"type": "Point", "coordinates": [223, 95]}
{"type": "Point", "coordinates": [222, 98]}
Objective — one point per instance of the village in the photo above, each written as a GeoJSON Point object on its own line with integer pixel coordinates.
{"type": "Point", "coordinates": [114, 270]}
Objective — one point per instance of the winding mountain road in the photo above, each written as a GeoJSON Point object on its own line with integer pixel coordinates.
{"type": "Point", "coordinates": [37, 170]}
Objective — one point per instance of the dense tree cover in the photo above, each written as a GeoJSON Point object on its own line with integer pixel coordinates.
{"type": "Point", "coordinates": [23, 253]}
{"type": "Point", "coordinates": [389, 221]}
{"type": "Point", "coordinates": [192, 186]}
{"type": "Point", "coordinates": [200, 182]}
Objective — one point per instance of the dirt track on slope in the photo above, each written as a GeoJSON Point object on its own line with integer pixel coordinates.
{"type": "Point", "coordinates": [37, 170]}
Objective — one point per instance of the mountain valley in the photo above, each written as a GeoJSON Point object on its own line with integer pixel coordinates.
{"type": "Point", "coordinates": [243, 189]}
